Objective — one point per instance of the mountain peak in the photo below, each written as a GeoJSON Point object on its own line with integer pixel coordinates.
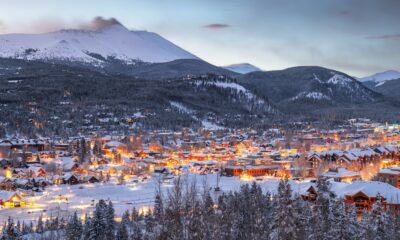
{"type": "Point", "coordinates": [242, 68]}
{"type": "Point", "coordinates": [96, 42]}
{"type": "Point", "coordinates": [382, 76]}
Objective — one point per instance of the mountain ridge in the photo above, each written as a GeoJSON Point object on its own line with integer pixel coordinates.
{"type": "Point", "coordinates": [242, 68]}
{"type": "Point", "coordinates": [110, 42]}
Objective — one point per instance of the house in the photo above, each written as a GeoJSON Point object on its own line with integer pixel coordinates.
{"type": "Point", "coordinates": [114, 146]}
{"type": "Point", "coordinates": [92, 179]}
{"type": "Point", "coordinates": [316, 158]}
{"type": "Point", "coordinates": [363, 156]}
{"type": "Point", "coordinates": [6, 184]}
{"type": "Point", "coordinates": [310, 194]}
{"type": "Point", "coordinates": [386, 151]}
{"type": "Point", "coordinates": [365, 194]}
{"type": "Point", "coordinates": [11, 199]}
{"type": "Point", "coordinates": [390, 175]}
{"type": "Point", "coordinates": [362, 194]}
{"type": "Point", "coordinates": [70, 179]}
{"type": "Point", "coordinates": [342, 175]}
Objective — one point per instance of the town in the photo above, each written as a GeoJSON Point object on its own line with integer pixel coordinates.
{"type": "Point", "coordinates": [51, 177]}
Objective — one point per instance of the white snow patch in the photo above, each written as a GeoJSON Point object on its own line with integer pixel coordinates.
{"type": "Point", "coordinates": [380, 83]}
{"type": "Point", "coordinates": [339, 79]}
{"type": "Point", "coordinates": [211, 126]}
{"type": "Point", "coordinates": [311, 95]}
{"type": "Point", "coordinates": [232, 85]}
{"type": "Point", "coordinates": [181, 108]}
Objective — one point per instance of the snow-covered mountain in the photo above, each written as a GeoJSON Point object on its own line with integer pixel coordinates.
{"type": "Point", "coordinates": [296, 89]}
{"type": "Point", "coordinates": [242, 68]}
{"type": "Point", "coordinates": [381, 77]}
{"type": "Point", "coordinates": [92, 46]}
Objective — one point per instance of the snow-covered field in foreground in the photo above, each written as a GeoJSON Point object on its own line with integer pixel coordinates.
{"type": "Point", "coordinates": [52, 202]}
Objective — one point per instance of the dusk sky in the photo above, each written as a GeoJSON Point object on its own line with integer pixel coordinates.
{"type": "Point", "coordinates": [359, 37]}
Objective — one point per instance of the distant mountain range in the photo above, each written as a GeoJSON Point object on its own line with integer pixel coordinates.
{"type": "Point", "coordinates": [386, 83]}
{"type": "Point", "coordinates": [242, 68]}
{"type": "Point", "coordinates": [299, 88]}
{"type": "Point", "coordinates": [180, 79]}
{"type": "Point", "coordinates": [381, 77]}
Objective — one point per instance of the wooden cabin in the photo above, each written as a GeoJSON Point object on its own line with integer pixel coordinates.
{"type": "Point", "coordinates": [11, 199]}
{"type": "Point", "coordinates": [390, 175]}
{"type": "Point", "coordinates": [70, 179]}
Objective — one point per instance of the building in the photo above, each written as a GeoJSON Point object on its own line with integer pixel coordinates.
{"type": "Point", "coordinates": [390, 175]}
{"type": "Point", "coordinates": [11, 199]}
{"type": "Point", "coordinates": [365, 194]}
{"type": "Point", "coordinates": [342, 175]}
{"type": "Point", "coordinates": [114, 146]}
{"type": "Point", "coordinates": [251, 170]}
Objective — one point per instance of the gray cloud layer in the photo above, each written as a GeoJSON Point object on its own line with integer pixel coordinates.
{"type": "Point", "coordinates": [217, 26]}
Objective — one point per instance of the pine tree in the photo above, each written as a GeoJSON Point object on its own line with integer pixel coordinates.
{"type": "Point", "coordinates": [225, 215]}
{"type": "Point", "coordinates": [82, 150]}
{"type": "Point", "coordinates": [40, 227]}
{"type": "Point", "coordinates": [109, 221]}
{"type": "Point", "coordinates": [86, 231]}
{"type": "Point", "coordinates": [284, 222]}
{"type": "Point", "coordinates": [136, 231]}
{"type": "Point", "coordinates": [122, 232]}
{"type": "Point", "coordinates": [378, 220]}
{"type": "Point", "coordinates": [242, 222]}
{"type": "Point", "coordinates": [18, 226]}
{"type": "Point", "coordinates": [98, 224]}
{"type": "Point", "coordinates": [149, 227]}
{"type": "Point", "coordinates": [126, 219]}
{"type": "Point", "coordinates": [341, 229]}
{"type": "Point", "coordinates": [158, 207]}
{"type": "Point", "coordinates": [10, 231]}
{"type": "Point", "coordinates": [134, 214]}
{"type": "Point", "coordinates": [322, 214]}
{"type": "Point", "coordinates": [73, 229]}
{"type": "Point", "coordinates": [302, 214]}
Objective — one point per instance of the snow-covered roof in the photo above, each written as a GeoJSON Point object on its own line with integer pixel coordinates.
{"type": "Point", "coordinates": [341, 173]}
{"type": "Point", "coordinates": [370, 188]}
{"type": "Point", "coordinates": [6, 195]}
{"type": "Point", "coordinates": [394, 171]}
{"type": "Point", "coordinates": [114, 144]}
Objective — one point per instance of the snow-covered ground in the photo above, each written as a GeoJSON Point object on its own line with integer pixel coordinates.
{"type": "Point", "coordinates": [62, 200]}
{"type": "Point", "coordinates": [81, 198]}
{"type": "Point", "coordinates": [211, 126]}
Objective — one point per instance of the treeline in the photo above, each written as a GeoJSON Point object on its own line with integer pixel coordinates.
{"type": "Point", "coordinates": [184, 213]}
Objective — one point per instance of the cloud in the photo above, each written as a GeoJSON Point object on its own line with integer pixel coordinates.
{"type": "Point", "coordinates": [217, 26]}
{"type": "Point", "coordinates": [44, 25]}
{"type": "Point", "coordinates": [100, 22]}
{"type": "Point", "coordinates": [395, 36]}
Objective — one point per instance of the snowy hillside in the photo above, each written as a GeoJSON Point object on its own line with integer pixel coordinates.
{"type": "Point", "coordinates": [242, 68]}
{"type": "Point", "coordinates": [112, 42]}
{"type": "Point", "coordinates": [381, 78]}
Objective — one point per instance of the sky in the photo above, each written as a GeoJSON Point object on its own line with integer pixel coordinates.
{"type": "Point", "coordinates": [358, 37]}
